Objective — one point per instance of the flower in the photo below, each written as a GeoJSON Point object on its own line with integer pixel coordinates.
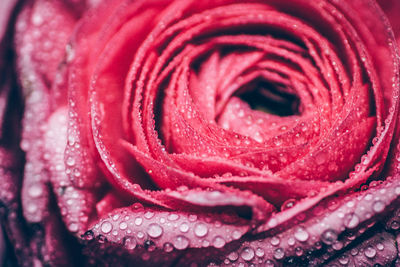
{"type": "Point", "coordinates": [158, 132]}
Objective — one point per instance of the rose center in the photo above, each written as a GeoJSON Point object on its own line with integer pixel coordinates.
{"type": "Point", "coordinates": [270, 98]}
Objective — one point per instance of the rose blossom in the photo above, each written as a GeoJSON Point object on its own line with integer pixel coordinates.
{"type": "Point", "coordinates": [195, 133]}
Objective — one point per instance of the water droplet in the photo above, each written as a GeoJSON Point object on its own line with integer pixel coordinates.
{"type": "Point", "coordinates": [351, 221]}
{"type": "Point", "coordinates": [184, 227]}
{"type": "Point", "coordinates": [181, 242]}
{"type": "Point", "coordinates": [37, 19]}
{"type": "Point", "coordinates": [73, 227]}
{"type": "Point", "coordinates": [337, 245]}
{"type": "Point", "coordinates": [301, 234]}
{"type": "Point", "coordinates": [35, 190]}
{"type": "Point", "coordinates": [32, 208]}
{"type": "Point", "coordinates": [291, 241]}
{"type": "Point", "coordinates": [329, 236]}
{"type": "Point", "coordinates": [168, 247]}
{"type": "Point", "coordinates": [279, 253]}
{"type": "Point", "coordinates": [106, 227]}
{"type": "Point", "coordinates": [350, 204]}
{"type": "Point", "coordinates": [154, 230]}
{"type": "Point", "coordinates": [205, 243]}
{"type": "Point", "coordinates": [129, 242]}
{"type": "Point", "coordinates": [70, 161]}
{"type": "Point", "coordinates": [218, 242]}
{"type": "Point", "coordinates": [395, 225]}
{"type": "Point", "coordinates": [380, 246]}
{"type": "Point", "coordinates": [200, 230]}
{"type": "Point", "coordinates": [233, 256]}
{"type": "Point", "coordinates": [354, 251]}
{"type": "Point", "coordinates": [247, 254]}
{"type": "Point", "coordinates": [288, 204]}
{"type": "Point", "coordinates": [149, 215]}
{"type": "Point", "coordinates": [236, 234]}
{"type": "Point", "coordinates": [378, 206]}
{"type": "Point", "coordinates": [260, 252]}
{"type": "Point", "coordinates": [138, 221]}
{"type": "Point", "coordinates": [123, 225]}
{"type": "Point", "coordinates": [370, 252]}
{"type": "Point", "coordinates": [299, 251]}
{"type": "Point", "coordinates": [275, 240]}
{"type": "Point", "coordinates": [173, 217]}
{"type": "Point", "coordinates": [344, 259]}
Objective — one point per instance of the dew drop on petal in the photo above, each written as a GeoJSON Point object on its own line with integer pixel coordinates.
{"type": "Point", "coordinates": [35, 191]}
{"type": "Point", "coordinates": [370, 252]}
{"type": "Point", "coordinates": [154, 230]}
{"type": "Point", "coordinates": [290, 203]}
{"type": "Point", "coordinates": [233, 256]}
{"type": "Point", "coordinates": [73, 227]}
{"type": "Point", "coordinates": [123, 225]}
{"type": "Point", "coordinates": [329, 236]}
{"type": "Point", "coordinates": [181, 242]}
{"type": "Point", "coordinates": [301, 235]}
{"type": "Point", "coordinates": [149, 215]}
{"type": "Point", "coordinates": [173, 217]}
{"type": "Point", "coordinates": [354, 251]}
{"type": "Point", "coordinates": [247, 254]}
{"type": "Point", "coordinates": [299, 251]}
{"type": "Point", "coordinates": [260, 252]}
{"type": "Point", "coordinates": [378, 206]}
{"type": "Point", "coordinates": [279, 253]}
{"type": "Point", "coordinates": [184, 227]}
{"type": "Point", "coordinates": [291, 241]}
{"type": "Point", "coordinates": [236, 235]}
{"type": "Point", "coordinates": [337, 245]}
{"type": "Point", "coordinates": [138, 221]}
{"type": "Point", "coordinates": [218, 242]}
{"type": "Point", "coordinates": [395, 225]}
{"type": "Point", "coordinates": [200, 230]}
{"type": "Point", "coordinates": [344, 259]}
{"type": "Point", "coordinates": [106, 227]}
{"type": "Point", "coordinates": [129, 242]}
{"type": "Point", "coordinates": [168, 247]}
{"type": "Point", "coordinates": [275, 241]}
{"type": "Point", "coordinates": [140, 234]}
{"type": "Point", "coordinates": [70, 161]}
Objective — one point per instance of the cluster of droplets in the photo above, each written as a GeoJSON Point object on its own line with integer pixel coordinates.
{"type": "Point", "coordinates": [154, 229]}
{"type": "Point", "coordinates": [348, 219]}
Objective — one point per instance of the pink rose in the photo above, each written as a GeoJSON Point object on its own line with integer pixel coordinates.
{"type": "Point", "coordinates": [199, 133]}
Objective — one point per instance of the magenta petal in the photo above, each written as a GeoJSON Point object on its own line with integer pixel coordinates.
{"type": "Point", "coordinates": [76, 205]}
{"type": "Point", "coordinates": [154, 236]}
{"type": "Point", "coordinates": [380, 249]}
{"type": "Point", "coordinates": [247, 133]}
